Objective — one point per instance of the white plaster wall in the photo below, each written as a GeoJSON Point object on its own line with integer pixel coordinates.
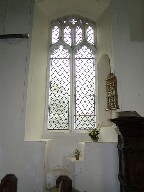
{"type": "Point", "coordinates": [87, 8]}
{"type": "Point", "coordinates": [136, 19]}
{"type": "Point", "coordinates": [105, 47]}
{"type": "Point", "coordinates": [104, 66]}
{"type": "Point", "coordinates": [104, 54]}
{"type": "Point", "coordinates": [128, 60]}
{"type": "Point", "coordinates": [104, 44]}
{"type": "Point", "coordinates": [103, 71]}
{"type": "Point", "coordinates": [96, 170]}
{"type": "Point", "coordinates": [37, 77]}
{"type": "Point", "coordinates": [24, 159]}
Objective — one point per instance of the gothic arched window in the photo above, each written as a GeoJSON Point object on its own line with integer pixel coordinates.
{"type": "Point", "coordinates": [71, 94]}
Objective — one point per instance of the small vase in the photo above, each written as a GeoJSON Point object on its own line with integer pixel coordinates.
{"type": "Point", "coordinates": [77, 157]}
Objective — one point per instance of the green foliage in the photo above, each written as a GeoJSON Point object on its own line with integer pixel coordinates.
{"type": "Point", "coordinates": [94, 133]}
{"type": "Point", "coordinates": [77, 152]}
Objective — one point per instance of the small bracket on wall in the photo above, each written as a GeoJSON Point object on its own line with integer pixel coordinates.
{"type": "Point", "coordinates": [111, 89]}
{"type": "Point", "coordinates": [14, 36]}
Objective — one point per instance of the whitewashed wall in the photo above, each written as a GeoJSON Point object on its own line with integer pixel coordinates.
{"type": "Point", "coordinates": [24, 159]}
{"type": "Point", "coordinates": [37, 77]}
{"type": "Point", "coordinates": [128, 59]}
{"type": "Point", "coordinates": [127, 63]}
{"type": "Point", "coordinates": [104, 64]}
{"type": "Point", "coordinates": [98, 171]}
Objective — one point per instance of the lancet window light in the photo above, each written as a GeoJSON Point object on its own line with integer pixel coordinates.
{"type": "Point", "coordinates": [71, 94]}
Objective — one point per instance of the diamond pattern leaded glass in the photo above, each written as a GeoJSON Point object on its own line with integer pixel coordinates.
{"type": "Point", "coordinates": [72, 66]}
{"type": "Point", "coordinates": [67, 35]}
{"type": "Point", "coordinates": [78, 35]}
{"type": "Point", "coordinates": [59, 89]}
{"type": "Point", "coordinates": [55, 34]}
{"type": "Point", "coordinates": [85, 86]}
{"type": "Point", "coordinates": [90, 35]}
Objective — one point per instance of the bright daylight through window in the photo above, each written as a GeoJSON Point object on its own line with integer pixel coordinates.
{"type": "Point", "coordinates": [71, 81]}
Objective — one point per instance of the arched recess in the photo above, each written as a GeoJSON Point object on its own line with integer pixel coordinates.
{"type": "Point", "coordinates": [103, 71]}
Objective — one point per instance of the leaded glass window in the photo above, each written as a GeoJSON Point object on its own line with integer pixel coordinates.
{"type": "Point", "coordinates": [71, 98]}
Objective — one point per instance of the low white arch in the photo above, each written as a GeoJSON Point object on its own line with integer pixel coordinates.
{"type": "Point", "coordinates": [103, 69]}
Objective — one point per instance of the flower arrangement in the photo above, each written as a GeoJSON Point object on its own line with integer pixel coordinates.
{"type": "Point", "coordinates": [94, 133]}
{"type": "Point", "coordinates": [77, 153]}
